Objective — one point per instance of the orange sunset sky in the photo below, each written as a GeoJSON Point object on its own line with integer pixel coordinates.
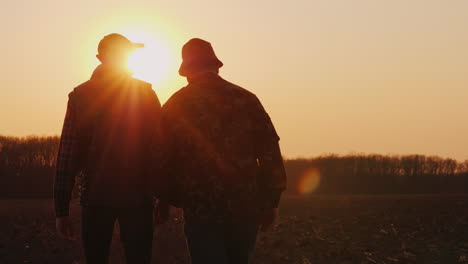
{"type": "Point", "coordinates": [336, 76]}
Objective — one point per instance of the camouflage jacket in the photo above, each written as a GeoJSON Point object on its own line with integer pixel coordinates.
{"type": "Point", "coordinates": [219, 151]}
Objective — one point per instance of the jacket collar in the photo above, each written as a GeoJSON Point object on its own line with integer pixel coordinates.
{"type": "Point", "coordinates": [109, 72]}
{"type": "Point", "coordinates": [203, 77]}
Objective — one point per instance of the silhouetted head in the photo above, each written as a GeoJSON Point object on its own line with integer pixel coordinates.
{"type": "Point", "coordinates": [198, 56]}
{"type": "Point", "coordinates": [114, 49]}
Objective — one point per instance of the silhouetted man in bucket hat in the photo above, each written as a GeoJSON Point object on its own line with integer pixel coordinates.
{"type": "Point", "coordinates": [221, 161]}
{"type": "Point", "coordinates": [108, 126]}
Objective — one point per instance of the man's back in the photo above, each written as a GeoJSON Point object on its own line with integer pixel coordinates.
{"type": "Point", "coordinates": [216, 132]}
{"type": "Point", "coordinates": [116, 117]}
{"type": "Point", "coordinates": [114, 120]}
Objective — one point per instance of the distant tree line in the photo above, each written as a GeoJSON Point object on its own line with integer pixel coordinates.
{"type": "Point", "coordinates": [378, 174]}
{"type": "Point", "coordinates": [27, 167]}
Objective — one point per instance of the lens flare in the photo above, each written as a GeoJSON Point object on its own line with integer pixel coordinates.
{"type": "Point", "coordinates": [309, 181]}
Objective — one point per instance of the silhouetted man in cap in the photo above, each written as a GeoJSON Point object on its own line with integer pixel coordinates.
{"type": "Point", "coordinates": [108, 126]}
{"type": "Point", "coordinates": [221, 161]}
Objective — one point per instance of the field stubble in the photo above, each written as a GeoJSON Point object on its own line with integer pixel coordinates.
{"type": "Point", "coordinates": [316, 230]}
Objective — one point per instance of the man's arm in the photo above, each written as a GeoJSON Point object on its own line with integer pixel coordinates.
{"type": "Point", "coordinates": [272, 174]}
{"type": "Point", "coordinates": [162, 155]}
{"type": "Point", "coordinates": [65, 174]}
{"type": "Point", "coordinates": [272, 178]}
{"type": "Point", "coordinates": [161, 209]}
{"type": "Point", "coordinates": [167, 150]}
{"type": "Point", "coordinates": [163, 152]}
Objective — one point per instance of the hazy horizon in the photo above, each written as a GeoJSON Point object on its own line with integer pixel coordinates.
{"type": "Point", "coordinates": [365, 76]}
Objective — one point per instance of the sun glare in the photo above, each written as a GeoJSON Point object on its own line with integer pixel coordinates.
{"type": "Point", "coordinates": [151, 63]}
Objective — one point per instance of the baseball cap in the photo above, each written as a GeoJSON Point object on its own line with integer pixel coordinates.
{"type": "Point", "coordinates": [117, 43]}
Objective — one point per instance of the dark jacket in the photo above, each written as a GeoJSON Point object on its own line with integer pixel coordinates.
{"type": "Point", "coordinates": [109, 130]}
{"type": "Point", "coordinates": [221, 156]}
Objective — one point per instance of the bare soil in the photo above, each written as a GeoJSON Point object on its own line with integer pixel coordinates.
{"type": "Point", "coordinates": [318, 229]}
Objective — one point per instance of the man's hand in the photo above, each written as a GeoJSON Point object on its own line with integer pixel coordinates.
{"type": "Point", "coordinates": [65, 228]}
{"type": "Point", "coordinates": [268, 219]}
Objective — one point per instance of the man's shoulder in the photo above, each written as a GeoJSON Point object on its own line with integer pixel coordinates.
{"type": "Point", "coordinates": [239, 90]}
{"type": "Point", "coordinates": [144, 88]}
{"type": "Point", "coordinates": [176, 97]}
{"type": "Point", "coordinates": [223, 88]}
{"type": "Point", "coordinates": [141, 83]}
{"type": "Point", "coordinates": [78, 89]}
{"type": "Point", "coordinates": [89, 85]}
{"type": "Point", "coordinates": [239, 95]}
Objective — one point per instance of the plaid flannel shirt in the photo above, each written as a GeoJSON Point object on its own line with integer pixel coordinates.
{"type": "Point", "coordinates": [65, 175]}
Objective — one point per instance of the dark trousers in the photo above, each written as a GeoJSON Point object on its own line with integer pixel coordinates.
{"type": "Point", "coordinates": [136, 233]}
{"type": "Point", "coordinates": [221, 243]}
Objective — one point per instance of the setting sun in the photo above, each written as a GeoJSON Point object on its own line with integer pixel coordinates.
{"type": "Point", "coordinates": [153, 62]}
{"type": "Point", "coordinates": [308, 131]}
